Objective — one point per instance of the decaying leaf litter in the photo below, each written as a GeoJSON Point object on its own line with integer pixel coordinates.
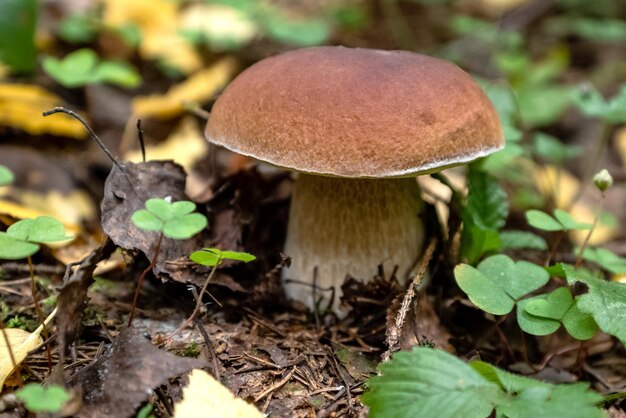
{"type": "Point", "coordinates": [265, 349]}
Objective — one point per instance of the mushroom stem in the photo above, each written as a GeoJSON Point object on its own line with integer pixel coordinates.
{"type": "Point", "coordinates": [350, 226]}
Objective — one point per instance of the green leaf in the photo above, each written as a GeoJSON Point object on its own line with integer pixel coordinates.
{"type": "Point", "coordinates": [531, 398]}
{"type": "Point", "coordinates": [175, 220]}
{"type": "Point", "coordinates": [605, 301]}
{"type": "Point", "coordinates": [15, 249]}
{"type": "Point", "coordinates": [551, 149]}
{"type": "Point", "coordinates": [43, 229]}
{"type": "Point", "coordinates": [185, 226]}
{"type": "Point", "coordinates": [38, 398]}
{"type": "Point", "coordinates": [84, 67]}
{"type": "Point", "coordinates": [117, 73]}
{"type": "Point", "coordinates": [147, 221]}
{"type": "Point", "coordinates": [487, 205]}
{"type": "Point", "coordinates": [212, 256]}
{"type": "Point", "coordinates": [534, 325]}
{"type": "Point", "coordinates": [18, 20]}
{"type": "Point", "coordinates": [498, 282]}
{"type": "Point", "coordinates": [429, 383]}
{"type": "Point", "coordinates": [592, 104]}
{"type": "Point", "coordinates": [579, 324]}
{"type": "Point", "coordinates": [568, 220]}
{"type": "Point", "coordinates": [476, 242]}
{"type": "Point", "coordinates": [207, 257]}
{"type": "Point", "coordinates": [77, 28]}
{"type": "Point", "coordinates": [553, 305]}
{"type": "Point", "coordinates": [542, 220]}
{"type": "Point", "coordinates": [303, 32]}
{"type": "Point", "coordinates": [543, 103]}
{"type": "Point", "coordinates": [522, 240]}
{"type": "Point", "coordinates": [606, 259]}
{"type": "Point", "coordinates": [482, 291]}
{"type": "Point", "coordinates": [6, 176]}
{"type": "Point", "coordinates": [74, 70]}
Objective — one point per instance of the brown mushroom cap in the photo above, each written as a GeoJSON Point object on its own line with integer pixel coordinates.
{"type": "Point", "coordinates": [356, 113]}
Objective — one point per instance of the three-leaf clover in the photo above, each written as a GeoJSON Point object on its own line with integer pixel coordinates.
{"type": "Point", "coordinates": [38, 398]}
{"type": "Point", "coordinates": [213, 256]}
{"type": "Point", "coordinates": [544, 314]}
{"type": "Point", "coordinates": [560, 222]}
{"type": "Point", "coordinates": [22, 239]}
{"type": "Point", "coordinates": [85, 67]}
{"type": "Point", "coordinates": [175, 220]}
{"type": "Point", "coordinates": [498, 282]}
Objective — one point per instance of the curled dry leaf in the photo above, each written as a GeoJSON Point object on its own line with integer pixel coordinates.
{"type": "Point", "coordinates": [21, 343]}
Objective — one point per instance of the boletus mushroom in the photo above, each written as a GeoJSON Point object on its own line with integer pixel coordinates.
{"type": "Point", "coordinates": [357, 125]}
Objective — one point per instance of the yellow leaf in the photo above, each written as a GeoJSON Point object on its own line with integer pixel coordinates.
{"type": "Point", "coordinates": [21, 343]}
{"type": "Point", "coordinates": [206, 397]}
{"type": "Point", "coordinates": [71, 209]}
{"type": "Point", "coordinates": [620, 144]}
{"type": "Point", "coordinates": [558, 184]}
{"type": "Point", "coordinates": [602, 233]}
{"type": "Point", "coordinates": [157, 21]}
{"type": "Point", "coordinates": [186, 145]}
{"type": "Point", "coordinates": [500, 6]}
{"type": "Point", "coordinates": [22, 105]}
{"type": "Point", "coordinates": [223, 26]}
{"type": "Point", "coordinates": [198, 88]}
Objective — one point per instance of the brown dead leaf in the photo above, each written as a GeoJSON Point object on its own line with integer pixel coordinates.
{"type": "Point", "coordinates": [123, 377]}
{"type": "Point", "coordinates": [72, 298]}
{"type": "Point", "coordinates": [205, 396]}
{"type": "Point", "coordinates": [126, 192]}
{"type": "Point", "coordinates": [21, 106]}
{"type": "Point", "coordinates": [198, 88]}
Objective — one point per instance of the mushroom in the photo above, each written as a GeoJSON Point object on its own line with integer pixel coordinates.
{"type": "Point", "coordinates": [357, 125]}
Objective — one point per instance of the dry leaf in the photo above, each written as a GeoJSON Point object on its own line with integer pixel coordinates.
{"type": "Point", "coordinates": [557, 183]}
{"type": "Point", "coordinates": [620, 144]}
{"type": "Point", "coordinates": [22, 105]}
{"type": "Point", "coordinates": [157, 20]}
{"type": "Point", "coordinates": [71, 208]}
{"type": "Point", "coordinates": [223, 26]}
{"type": "Point", "coordinates": [564, 187]}
{"type": "Point", "coordinates": [206, 397]}
{"type": "Point", "coordinates": [198, 88]}
{"type": "Point", "coordinates": [21, 343]}
{"type": "Point", "coordinates": [500, 6]}
{"type": "Point", "coordinates": [186, 146]}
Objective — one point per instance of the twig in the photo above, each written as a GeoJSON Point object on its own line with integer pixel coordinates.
{"type": "Point", "coordinates": [142, 143]}
{"type": "Point", "coordinates": [33, 289]}
{"type": "Point", "coordinates": [207, 342]}
{"type": "Point", "coordinates": [275, 386]}
{"type": "Point", "coordinates": [391, 339]}
{"type": "Point", "coordinates": [91, 132]}
{"type": "Point", "coordinates": [343, 380]}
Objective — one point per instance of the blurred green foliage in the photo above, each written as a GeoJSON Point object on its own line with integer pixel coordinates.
{"type": "Point", "coordinates": [17, 34]}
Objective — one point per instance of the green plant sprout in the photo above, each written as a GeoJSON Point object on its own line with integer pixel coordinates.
{"type": "Point", "coordinates": [85, 67]}
{"type": "Point", "coordinates": [426, 383]}
{"type": "Point", "coordinates": [211, 257]}
{"type": "Point", "coordinates": [6, 176]}
{"type": "Point", "coordinates": [172, 220]}
{"type": "Point", "coordinates": [43, 399]}
{"type": "Point", "coordinates": [22, 240]}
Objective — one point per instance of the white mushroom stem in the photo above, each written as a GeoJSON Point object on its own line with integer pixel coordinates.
{"type": "Point", "coordinates": [350, 226]}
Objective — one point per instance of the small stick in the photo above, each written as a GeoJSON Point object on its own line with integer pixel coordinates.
{"type": "Point", "coordinates": [392, 340]}
{"type": "Point", "coordinates": [86, 125]}
{"type": "Point", "coordinates": [207, 341]}
{"type": "Point", "coordinates": [33, 289]}
{"type": "Point", "coordinates": [142, 143]}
